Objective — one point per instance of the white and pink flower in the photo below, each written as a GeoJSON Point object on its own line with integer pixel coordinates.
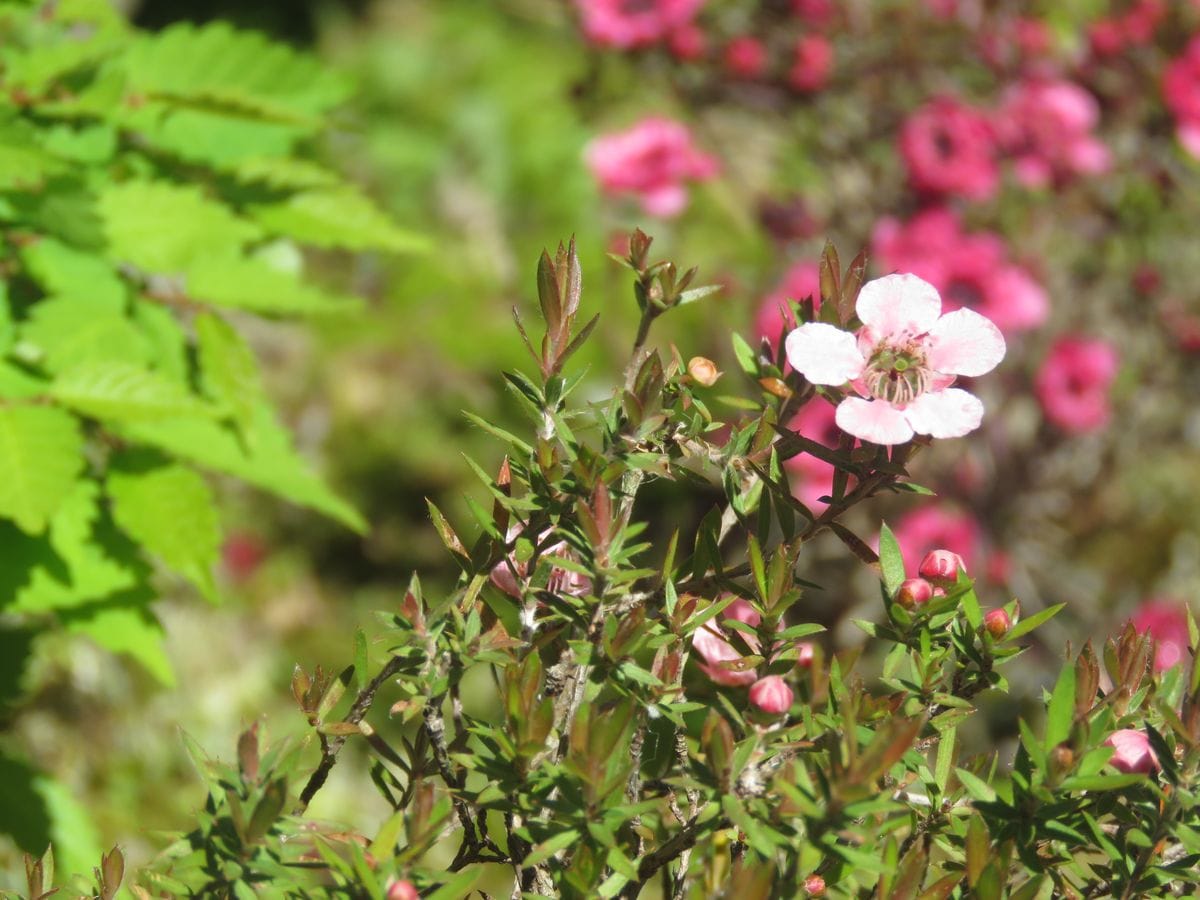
{"type": "Point", "coordinates": [901, 363]}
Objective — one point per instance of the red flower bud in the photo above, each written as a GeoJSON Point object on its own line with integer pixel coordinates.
{"type": "Point", "coordinates": [914, 592]}
{"type": "Point", "coordinates": [804, 655]}
{"type": "Point", "coordinates": [814, 886]}
{"type": "Point", "coordinates": [772, 695]}
{"type": "Point", "coordinates": [402, 890]}
{"type": "Point", "coordinates": [1133, 751]}
{"type": "Point", "coordinates": [942, 566]}
{"type": "Point", "coordinates": [997, 623]}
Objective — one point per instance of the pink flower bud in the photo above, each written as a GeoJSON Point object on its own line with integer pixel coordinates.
{"type": "Point", "coordinates": [814, 886]}
{"type": "Point", "coordinates": [804, 655]}
{"type": "Point", "coordinates": [704, 370]}
{"type": "Point", "coordinates": [746, 57]}
{"type": "Point", "coordinates": [997, 623]}
{"type": "Point", "coordinates": [914, 592]}
{"type": "Point", "coordinates": [1133, 751]}
{"type": "Point", "coordinates": [942, 566]}
{"type": "Point", "coordinates": [402, 890]}
{"type": "Point", "coordinates": [772, 695]}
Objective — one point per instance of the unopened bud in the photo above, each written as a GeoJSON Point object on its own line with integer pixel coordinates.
{"type": "Point", "coordinates": [704, 370]}
{"type": "Point", "coordinates": [1062, 757]}
{"type": "Point", "coordinates": [804, 655]}
{"type": "Point", "coordinates": [771, 695]}
{"type": "Point", "coordinates": [814, 886]}
{"type": "Point", "coordinates": [997, 623]}
{"type": "Point", "coordinates": [942, 566]}
{"type": "Point", "coordinates": [1133, 751]}
{"type": "Point", "coordinates": [914, 592]}
{"type": "Point", "coordinates": [402, 890]}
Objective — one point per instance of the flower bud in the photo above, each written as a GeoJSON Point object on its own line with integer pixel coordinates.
{"type": "Point", "coordinates": [914, 592]}
{"type": "Point", "coordinates": [704, 370]}
{"type": "Point", "coordinates": [1133, 751]}
{"type": "Point", "coordinates": [814, 886]}
{"type": "Point", "coordinates": [942, 566]}
{"type": "Point", "coordinates": [402, 890]}
{"type": "Point", "coordinates": [1062, 757]}
{"type": "Point", "coordinates": [997, 623]}
{"type": "Point", "coordinates": [771, 695]}
{"type": "Point", "coordinates": [804, 655]}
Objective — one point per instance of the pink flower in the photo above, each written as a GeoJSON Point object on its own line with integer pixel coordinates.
{"type": "Point", "coordinates": [627, 24]}
{"type": "Point", "coordinates": [1181, 91]}
{"type": "Point", "coordinates": [1046, 126]}
{"type": "Point", "coordinates": [1133, 751]}
{"type": "Point", "coordinates": [774, 318]}
{"type": "Point", "coordinates": [711, 643]}
{"type": "Point", "coordinates": [805, 653]}
{"type": "Point", "coordinates": [930, 527]}
{"type": "Point", "coordinates": [1106, 37]}
{"type": "Point", "coordinates": [1166, 622]}
{"type": "Point", "coordinates": [812, 63]}
{"type": "Point", "coordinates": [948, 148]}
{"type": "Point", "coordinates": [817, 13]}
{"type": "Point", "coordinates": [511, 575]}
{"type": "Point", "coordinates": [914, 592]}
{"type": "Point", "coordinates": [402, 890]}
{"type": "Point", "coordinates": [941, 567]}
{"type": "Point", "coordinates": [772, 695]}
{"type": "Point", "coordinates": [997, 623]}
{"type": "Point", "coordinates": [969, 270]}
{"type": "Point", "coordinates": [652, 160]}
{"type": "Point", "coordinates": [1074, 382]}
{"type": "Point", "coordinates": [812, 478]}
{"type": "Point", "coordinates": [901, 363]}
{"type": "Point", "coordinates": [746, 57]}
{"type": "Point", "coordinates": [687, 43]}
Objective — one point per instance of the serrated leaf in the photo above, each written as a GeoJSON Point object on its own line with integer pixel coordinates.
{"type": "Point", "coordinates": [168, 509]}
{"type": "Point", "coordinates": [229, 368]}
{"type": "Point", "coordinates": [86, 278]}
{"type": "Point", "coordinates": [254, 284]}
{"type": "Point", "coordinates": [336, 217]}
{"type": "Point", "coordinates": [69, 333]}
{"type": "Point", "coordinates": [124, 623]}
{"type": "Point", "coordinates": [41, 455]}
{"type": "Point", "coordinates": [117, 391]}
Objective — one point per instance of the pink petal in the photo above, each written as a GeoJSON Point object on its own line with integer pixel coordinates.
{"type": "Point", "coordinates": [964, 343]}
{"type": "Point", "coordinates": [873, 420]}
{"type": "Point", "coordinates": [898, 305]}
{"type": "Point", "coordinates": [665, 201]}
{"type": "Point", "coordinates": [945, 414]}
{"type": "Point", "coordinates": [824, 354]}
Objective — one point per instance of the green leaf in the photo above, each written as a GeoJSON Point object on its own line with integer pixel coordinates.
{"type": "Point", "coordinates": [746, 357]}
{"type": "Point", "coordinates": [229, 368]}
{"type": "Point", "coordinates": [218, 138]}
{"type": "Point", "coordinates": [1061, 711]}
{"type": "Point", "coordinates": [60, 269]}
{"type": "Point", "coordinates": [976, 787]}
{"type": "Point", "coordinates": [118, 391]}
{"type": "Point", "coordinates": [167, 508]}
{"type": "Point", "coordinates": [41, 454]}
{"type": "Point", "coordinates": [256, 285]}
{"type": "Point", "coordinates": [891, 562]}
{"type": "Point", "coordinates": [336, 217]}
{"type": "Point", "coordinates": [68, 333]}
{"type": "Point", "coordinates": [124, 624]}
{"type": "Point", "coordinates": [266, 458]}
{"type": "Point", "coordinates": [1027, 625]}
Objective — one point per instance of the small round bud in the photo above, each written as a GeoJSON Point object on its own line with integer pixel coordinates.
{"type": "Point", "coordinates": [771, 695]}
{"type": "Point", "coordinates": [1062, 757]}
{"type": "Point", "coordinates": [914, 592]}
{"type": "Point", "coordinates": [704, 370]}
{"type": "Point", "coordinates": [1133, 751]}
{"type": "Point", "coordinates": [402, 890]}
{"type": "Point", "coordinates": [804, 655]}
{"type": "Point", "coordinates": [814, 886]}
{"type": "Point", "coordinates": [997, 623]}
{"type": "Point", "coordinates": [942, 566]}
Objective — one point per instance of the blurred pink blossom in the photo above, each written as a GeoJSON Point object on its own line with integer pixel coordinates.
{"type": "Point", "coordinates": [812, 478]}
{"type": "Point", "coordinates": [774, 318]}
{"type": "Point", "coordinates": [1046, 127]}
{"type": "Point", "coordinates": [812, 63]}
{"type": "Point", "coordinates": [711, 642]}
{"type": "Point", "coordinates": [772, 695]}
{"type": "Point", "coordinates": [1074, 381]}
{"type": "Point", "coordinates": [1166, 621]}
{"type": "Point", "coordinates": [687, 43]}
{"type": "Point", "coordinates": [626, 24]}
{"type": "Point", "coordinates": [817, 13]}
{"type": "Point", "coordinates": [1133, 752]}
{"type": "Point", "coordinates": [1181, 91]}
{"type": "Point", "coordinates": [510, 574]}
{"type": "Point", "coordinates": [949, 148]}
{"type": "Point", "coordinates": [932, 527]}
{"type": "Point", "coordinates": [969, 270]}
{"type": "Point", "coordinates": [901, 363]}
{"type": "Point", "coordinates": [746, 57]}
{"type": "Point", "coordinates": [652, 160]}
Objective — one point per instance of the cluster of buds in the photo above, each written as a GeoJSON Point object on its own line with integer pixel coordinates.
{"type": "Point", "coordinates": [937, 574]}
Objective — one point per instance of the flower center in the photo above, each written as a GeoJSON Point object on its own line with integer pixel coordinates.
{"type": "Point", "coordinates": [896, 376]}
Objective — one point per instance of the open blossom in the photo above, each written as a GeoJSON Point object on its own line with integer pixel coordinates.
{"type": "Point", "coordinates": [626, 24]}
{"type": "Point", "coordinates": [901, 364]}
{"type": "Point", "coordinates": [774, 318]}
{"type": "Point", "coordinates": [1073, 383]}
{"type": "Point", "coordinates": [1166, 622]}
{"type": "Point", "coordinates": [1181, 91]}
{"type": "Point", "coordinates": [1046, 127]}
{"type": "Point", "coordinates": [949, 148]}
{"type": "Point", "coordinates": [969, 270]}
{"type": "Point", "coordinates": [932, 527]}
{"type": "Point", "coordinates": [652, 160]}
{"type": "Point", "coordinates": [713, 645]}
{"type": "Point", "coordinates": [1133, 752]}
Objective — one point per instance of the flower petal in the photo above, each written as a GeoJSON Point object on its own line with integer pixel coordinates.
{"type": "Point", "coordinates": [876, 421]}
{"type": "Point", "coordinates": [899, 305]}
{"type": "Point", "coordinates": [945, 414]}
{"type": "Point", "coordinates": [964, 343]}
{"type": "Point", "coordinates": [824, 354]}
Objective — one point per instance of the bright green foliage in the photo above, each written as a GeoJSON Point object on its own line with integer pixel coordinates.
{"type": "Point", "coordinates": [147, 181]}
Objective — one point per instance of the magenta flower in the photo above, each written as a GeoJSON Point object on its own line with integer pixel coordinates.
{"type": "Point", "coordinates": [901, 363]}
{"type": "Point", "coordinates": [941, 567]}
{"type": "Point", "coordinates": [772, 695]}
{"type": "Point", "coordinates": [402, 890]}
{"type": "Point", "coordinates": [774, 319]}
{"type": "Point", "coordinates": [746, 57]}
{"type": "Point", "coordinates": [652, 160]}
{"type": "Point", "coordinates": [1181, 91]}
{"type": "Point", "coordinates": [627, 24]}
{"type": "Point", "coordinates": [712, 643]}
{"type": "Point", "coordinates": [914, 592]}
{"type": "Point", "coordinates": [1166, 622]}
{"type": "Point", "coordinates": [812, 63]}
{"type": "Point", "coordinates": [1046, 126]}
{"type": "Point", "coordinates": [1133, 751]}
{"type": "Point", "coordinates": [1074, 381]}
{"type": "Point", "coordinates": [948, 148]}
{"type": "Point", "coordinates": [931, 527]}
{"type": "Point", "coordinates": [997, 622]}
{"type": "Point", "coordinates": [969, 270]}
